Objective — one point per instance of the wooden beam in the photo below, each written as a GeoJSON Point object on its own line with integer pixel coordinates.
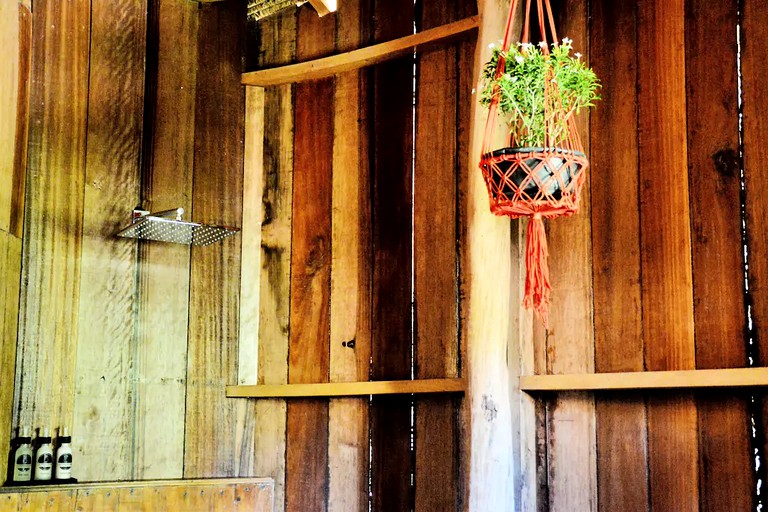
{"type": "Point", "coordinates": [355, 59]}
{"type": "Point", "coordinates": [323, 7]}
{"type": "Point", "coordinates": [681, 379]}
{"type": "Point", "coordinates": [391, 387]}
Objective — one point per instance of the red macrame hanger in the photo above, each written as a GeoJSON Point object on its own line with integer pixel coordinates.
{"type": "Point", "coordinates": [537, 286]}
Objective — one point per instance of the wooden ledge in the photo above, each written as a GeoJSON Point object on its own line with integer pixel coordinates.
{"type": "Point", "coordinates": [335, 64]}
{"type": "Point", "coordinates": [330, 389]}
{"type": "Point", "coordinates": [684, 379]}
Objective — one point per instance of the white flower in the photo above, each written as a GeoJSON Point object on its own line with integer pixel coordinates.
{"type": "Point", "coordinates": [491, 46]}
{"type": "Point", "coordinates": [577, 55]}
{"type": "Point", "coordinates": [526, 46]}
{"type": "Point", "coordinates": [473, 90]}
{"type": "Point", "coordinates": [542, 44]}
{"type": "Point", "coordinates": [567, 40]}
{"type": "Point", "coordinates": [519, 59]}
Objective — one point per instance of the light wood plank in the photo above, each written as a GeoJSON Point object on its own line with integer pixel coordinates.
{"type": "Point", "coordinates": [278, 39]}
{"type": "Point", "coordinates": [9, 91]}
{"type": "Point", "coordinates": [350, 274]}
{"type": "Point", "coordinates": [355, 59]}
{"type": "Point", "coordinates": [214, 427]}
{"type": "Point", "coordinates": [10, 281]}
{"type": "Point", "coordinates": [48, 331]}
{"type": "Point", "coordinates": [323, 7]}
{"type": "Point", "coordinates": [487, 322]}
{"type": "Point", "coordinates": [163, 295]}
{"type": "Point", "coordinates": [393, 387]}
{"type": "Point", "coordinates": [103, 408]}
{"type": "Point", "coordinates": [679, 379]}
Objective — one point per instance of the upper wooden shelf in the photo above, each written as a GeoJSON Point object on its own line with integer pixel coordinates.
{"type": "Point", "coordinates": [368, 56]}
{"type": "Point", "coordinates": [683, 379]}
{"type": "Point", "coordinates": [331, 389]}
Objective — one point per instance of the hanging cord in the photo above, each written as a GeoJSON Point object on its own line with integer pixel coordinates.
{"type": "Point", "coordinates": [538, 291]}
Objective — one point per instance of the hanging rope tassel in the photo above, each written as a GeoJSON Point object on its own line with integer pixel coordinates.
{"type": "Point", "coordinates": [537, 287]}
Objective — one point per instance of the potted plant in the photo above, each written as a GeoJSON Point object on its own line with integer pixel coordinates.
{"type": "Point", "coordinates": [536, 90]}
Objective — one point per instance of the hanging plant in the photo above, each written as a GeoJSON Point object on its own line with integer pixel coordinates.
{"type": "Point", "coordinates": [536, 91]}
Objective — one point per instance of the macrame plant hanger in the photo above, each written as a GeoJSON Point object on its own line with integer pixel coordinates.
{"type": "Point", "coordinates": [538, 183]}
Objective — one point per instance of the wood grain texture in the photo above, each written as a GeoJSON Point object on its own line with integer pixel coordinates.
{"type": "Point", "coordinates": [10, 281]}
{"type": "Point", "coordinates": [754, 94]}
{"type": "Point", "coordinates": [10, 32]}
{"type": "Point", "coordinates": [48, 332]}
{"type": "Point", "coordinates": [392, 122]}
{"type": "Point", "coordinates": [487, 321]}
{"type": "Point", "coordinates": [622, 478]}
{"type": "Point", "coordinates": [214, 429]}
{"type": "Point", "coordinates": [350, 274]}
{"type": "Point", "coordinates": [18, 183]}
{"type": "Point", "coordinates": [355, 59]}
{"type": "Point", "coordinates": [163, 273]}
{"type": "Point", "coordinates": [572, 473]}
{"type": "Point", "coordinates": [104, 404]}
{"type": "Point", "coordinates": [363, 388]}
{"type": "Point", "coordinates": [435, 263]}
{"type": "Point", "coordinates": [309, 349]}
{"type": "Point", "coordinates": [278, 44]}
{"type": "Point", "coordinates": [666, 252]}
{"type": "Point", "coordinates": [726, 478]}
{"type": "Point", "coordinates": [221, 495]}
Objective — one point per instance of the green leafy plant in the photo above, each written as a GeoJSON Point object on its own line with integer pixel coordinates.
{"type": "Point", "coordinates": [521, 90]}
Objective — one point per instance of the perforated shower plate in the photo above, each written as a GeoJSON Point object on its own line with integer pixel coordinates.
{"type": "Point", "coordinates": [176, 231]}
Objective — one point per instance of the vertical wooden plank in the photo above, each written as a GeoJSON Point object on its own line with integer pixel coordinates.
{"type": "Point", "coordinates": [212, 426]}
{"type": "Point", "coordinates": [754, 28]}
{"type": "Point", "coordinates": [10, 33]}
{"type": "Point", "coordinates": [485, 310]}
{"type": "Point", "coordinates": [392, 145]}
{"type": "Point", "coordinates": [350, 273]}
{"type": "Point", "coordinates": [309, 356]}
{"type": "Point", "coordinates": [665, 251]}
{"type": "Point", "coordinates": [278, 46]}
{"type": "Point", "coordinates": [10, 502]}
{"type": "Point", "coordinates": [435, 263]}
{"type": "Point", "coordinates": [163, 294]}
{"type": "Point", "coordinates": [10, 281]}
{"type": "Point", "coordinates": [726, 478]}
{"type": "Point", "coordinates": [569, 342]}
{"type": "Point", "coordinates": [52, 501]}
{"type": "Point", "coordinates": [18, 184]}
{"type": "Point", "coordinates": [48, 331]}
{"type": "Point", "coordinates": [622, 479]}
{"type": "Point", "coordinates": [96, 500]}
{"type": "Point", "coordinates": [103, 409]}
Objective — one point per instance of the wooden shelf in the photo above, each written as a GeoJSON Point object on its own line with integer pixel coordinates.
{"type": "Point", "coordinates": [335, 64]}
{"type": "Point", "coordinates": [684, 379]}
{"type": "Point", "coordinates": [391, 387]}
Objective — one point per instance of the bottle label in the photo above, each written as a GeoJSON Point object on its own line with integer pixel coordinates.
{"type": "Point", "coordinates": [24, 460]}
{"type": "Point", "coordinates": [22, 471]}
{"type": "Point", "coordinates": [65, 461]}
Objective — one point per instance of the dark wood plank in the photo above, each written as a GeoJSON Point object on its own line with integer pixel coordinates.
{"type": "Point", "coordinates": [666, 252]}
{"type": "Point", "coordinates": [348, 447]}
{"type": "Point", "coordinates": [309, 350]}
{"type": "Point", "coordinates": [278, 45]}
{"type": "Point", "coordinates": [210, 447]}
{"type": "Point", "coordinates": [726, 474]}
{"type": "Point", "coordinates": [622, 479]}
{"type": "Point", "coordinates": [48, 321]}
{"type": "Point", "coordinates": [755, 154]}
{"type": "Point", "coordinates": [435, 260]}
{"type": "Point", "coordinates": [103, 410]}
{"type": "Point", "coordinates": [163, 295]}
{"type": "Point", "coordinates": [392, 337]}
{"type": "Point", "coordinates": [16, 219]}
{"type": "Point", "coordinates": [569, 341]}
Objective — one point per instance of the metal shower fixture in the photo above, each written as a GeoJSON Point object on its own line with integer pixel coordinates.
{"type": "Point", "coordinates": [167, 226]}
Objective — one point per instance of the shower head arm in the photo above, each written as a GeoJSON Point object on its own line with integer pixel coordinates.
{"type": "Point", "coordinates": [165, 214]}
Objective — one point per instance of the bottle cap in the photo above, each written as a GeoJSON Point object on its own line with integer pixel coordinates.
{"type": "Point", "coordinates": [64, 431]}
{"type": "Point", "coordinates": [24, 435]}
{"type": "Point", "coordinates": [44, 432]}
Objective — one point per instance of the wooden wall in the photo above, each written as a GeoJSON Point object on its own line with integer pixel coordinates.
{"type": "Point", "coordinates": [15, 24]}
{"type": "Point", "coordinates": [129, 343]}
{"type": "Point", "coordinates": [651, 275]}
{"type": "Point", "coordinates": [359, 252]}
